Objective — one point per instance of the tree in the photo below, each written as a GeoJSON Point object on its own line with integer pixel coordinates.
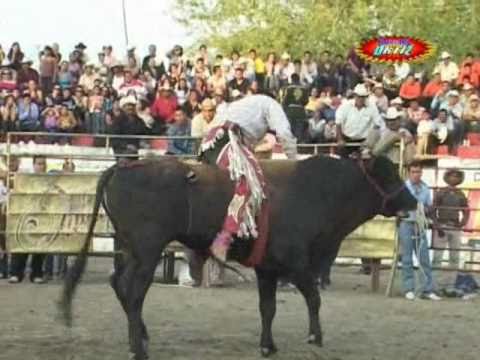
{"type": "Point", "coordinates": [336, 25]}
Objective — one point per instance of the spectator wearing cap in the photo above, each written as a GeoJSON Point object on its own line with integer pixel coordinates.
{"type": "Point", "coordinates": [130, 83]}
{"type": "Point", "coordinates": [454, 109]}
{"type": "Point", "coordinates": [379, 98]}
{"type": "Point", "coordinates": [410, 89]}
{"type": "Point", "coordinates": [447, 68]}
{"type": "Point", "coordinates": [28, 114]}
{"type": "Point", "coordinates": [164, 106]}
{"type": "Point", "coordinates": [15, 56]}
{"type": "Point", "coordinates": [180, 127]}
{"type": "Point", "coordinates": [87, 80]}
{"type": "Point", "coordinates": [206, 120]}
{"type": "Point", "coordinates": [384, 141]}
{"type": "Point", "coordinates": [391, 82]}
{"type": "Point", "coordinates": [239, 83]}
{"type": "Point", "coordinates": [48, 69]}
{"type": "Point", "coordinates": [355, 119]}
{"type": "Point", "coordinates": [451, 213]}
{"type": "Point", "coordinates": [402, 70]}
{"type": "Point", "coordinates": [81, 47]}
{"type": "Point", "coordinates": [471, 115]}
{"type": "Point", "coordinates": [26, 74]}
{"type": "Point", "coordinates": [127, 122]}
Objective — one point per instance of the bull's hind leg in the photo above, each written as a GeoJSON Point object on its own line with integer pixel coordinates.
{"type": "Point", "coordinates": [120, 289]}
{"type": "Point", "coordinates": [138, 274]}
{"type": "Point", "coordinates": [267, 288]}
{"type": "Point", "coordinates": [306, 284]}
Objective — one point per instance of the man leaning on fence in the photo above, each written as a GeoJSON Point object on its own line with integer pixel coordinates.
{"type": "Point", "coordinates": [451, 215]}
{"type": "Point", "coordinates": [413, 239]}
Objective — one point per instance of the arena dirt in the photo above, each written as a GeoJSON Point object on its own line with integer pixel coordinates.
{"type": "Point", "coordinates": [221, 324]}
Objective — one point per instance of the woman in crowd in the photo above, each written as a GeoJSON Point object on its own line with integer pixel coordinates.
{"type": "Point", "coordinates": [192, 106]}
{"type": "Point", "coordinates": [7, 80]}
{"type": "Point", "coordinates": [36, 94]}
{"type": "Point", "coordinates": [108, 98]}
{"type": "Point", "coordinates": [181, 91]}
{"type": "Point", "coordinates": [65, 78]}
{"type": "Point", "coordinates": [200, 87]}
{"type": "Point", "coordinates": [9, 114]}
{"type": "Point", "coordinates": [75, 66]}
{"type": "Point", "coordinates": [50, 119]}
{"type": "Point", "coordinates": [66, 120]}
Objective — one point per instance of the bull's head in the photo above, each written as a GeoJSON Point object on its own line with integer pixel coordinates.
{"type": "Point", "coordinates": [383, 176]}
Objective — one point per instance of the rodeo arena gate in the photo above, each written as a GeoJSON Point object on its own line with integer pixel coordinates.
{"type": "Point", "coordinates": [49, 213]}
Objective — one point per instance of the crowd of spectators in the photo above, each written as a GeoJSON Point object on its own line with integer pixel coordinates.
{"type": "Point", "coordinates": [163, 94]}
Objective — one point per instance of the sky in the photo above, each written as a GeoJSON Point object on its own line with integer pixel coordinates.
{"type": "Point", "coordinates": [35, 23]}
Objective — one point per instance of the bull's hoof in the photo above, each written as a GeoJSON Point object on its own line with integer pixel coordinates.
{"type": "Point", "coordinates": [268, 351]}
{"type": "Point", "coordinates": [315, 340]}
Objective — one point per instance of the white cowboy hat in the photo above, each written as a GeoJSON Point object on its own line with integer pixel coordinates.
{"type": "Point", "coordinates": [397, 101]}
{"type": "Point", "coordinates": [360, 90]}
{"type": "Point", "coordinates": [285, 56]}
{"type": "Point", "coordinates": [392, 114]}
{"type": "Point", "coordinates": [467, 86]}
{"type": "Point", "coordinates": [453, 93]}
{"type": "Point", "coordinates": [445, 55]}
{"type": "Point", "coordinates": [128, 100]}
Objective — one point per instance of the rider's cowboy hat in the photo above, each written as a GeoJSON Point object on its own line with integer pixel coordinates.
{"type": "Point", "coordinates": [454, 177]}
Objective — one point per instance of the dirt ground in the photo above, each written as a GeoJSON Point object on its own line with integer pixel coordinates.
{"type": "Point", "coordinates": [223, 323]}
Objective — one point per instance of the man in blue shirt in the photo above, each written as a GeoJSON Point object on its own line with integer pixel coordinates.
{"type": "Point", "coordinates": [413, 239]}
{"type": "Point", "coordinates": [181, 127]}
{"type": "Point", "coordinates": [28, 114]}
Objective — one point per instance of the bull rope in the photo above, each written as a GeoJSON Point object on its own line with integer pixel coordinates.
{"type": "Point", "coordinates": [421, 227]}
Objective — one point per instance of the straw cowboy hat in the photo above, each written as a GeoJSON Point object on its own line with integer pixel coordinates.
{"type": "Point", "coordinates": [453, 93]}
{"type": "Point", "coordinates": [285, 56]}
{"type": "Point", "coordinates": [454, 177]}
{"type": "Point", "coordinates": [474, 97]}
{"type": "Point", "coordinates": [208, 104]}
{"type": "Point", "coordinates": [445, 55]}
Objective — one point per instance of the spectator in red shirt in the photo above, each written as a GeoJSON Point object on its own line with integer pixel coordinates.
{"type": "Point", "coordinates": [432, 88]}
{"type": "Point", "coordinates": [410, 89]}
{"type": "Point", "coordinates": [130, 83]}
{"type": "Point", "coordinates": [7, 82]}
{"type": "Point", "coordinates": [163, 108]}
{"type": "Point", "coordinates": [469, 73]}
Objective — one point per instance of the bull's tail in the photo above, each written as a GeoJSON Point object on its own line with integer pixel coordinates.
{"type": "Point", "coordinates": [75, 272]}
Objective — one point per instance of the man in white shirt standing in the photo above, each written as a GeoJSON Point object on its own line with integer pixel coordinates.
{"type": "Point", "coordinates": [448, 69]}
{"type": "Point", "coordinates": [230, 146]}
{"type": "Point", "coordinates": [355, 119]}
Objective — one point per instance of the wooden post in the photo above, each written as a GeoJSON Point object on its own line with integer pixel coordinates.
{"type": "Point", "coordinates": [375, 267]}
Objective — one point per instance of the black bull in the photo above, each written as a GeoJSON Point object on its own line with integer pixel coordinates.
{"type": "Point", "coordinates": [314, 204]}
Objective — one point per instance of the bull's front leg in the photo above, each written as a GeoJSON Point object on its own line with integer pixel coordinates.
{"type": "Point", "coordinates": [267, 288]}
{"type": "Point", "coordinates": [306, 284]}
